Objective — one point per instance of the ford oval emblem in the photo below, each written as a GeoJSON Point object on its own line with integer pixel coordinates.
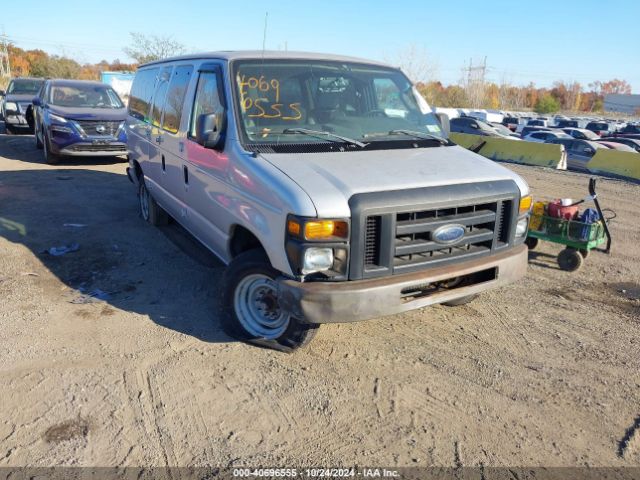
{"type": "Point", "coordinates": [101, 129]}
{"type": "Point", "coordinates": [448, 234]}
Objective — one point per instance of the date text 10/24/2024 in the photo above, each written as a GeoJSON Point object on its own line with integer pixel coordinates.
{"type": "Point", "coordinates": [315, 473]}
{"type": "Point", "coordinates": [255, 93]}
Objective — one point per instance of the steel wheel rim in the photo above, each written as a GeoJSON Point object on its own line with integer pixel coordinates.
{"type": "Point", "coordinates": [256, 306]}
{"type": "Point", "coordinates": [144, 202]}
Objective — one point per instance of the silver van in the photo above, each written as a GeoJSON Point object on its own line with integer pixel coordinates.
{"type": "Point", "coordinates": [325, 183]}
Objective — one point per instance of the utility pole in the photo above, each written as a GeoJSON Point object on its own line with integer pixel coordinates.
{"type": "Point", "coordinates": [475, 76]}
{"type": "Point", "coordinates": [5, 68]}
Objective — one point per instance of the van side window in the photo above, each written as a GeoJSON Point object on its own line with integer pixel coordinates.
{"type": "Point", "coordinates": [160, 96]}
{"type": "Point", "coordinates": [141, 93]}
{"type": "Point", "coordinates": [175, 98]}
{"type": "Point", "coordinates": [207, 98]}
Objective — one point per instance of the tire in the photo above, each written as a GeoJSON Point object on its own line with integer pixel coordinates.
{"type": "Point", "coordinates": [149, 209]}
{"type": "Point", "coordinates": [250, 306]}
{"type": "Point", "coordinates": [532, 242]}
{"type": "Point", "coordinates": [39, 144]}
{"type": "Point", "coordinates": [570, 259]}
{"type": "Point", "coordinates": [49, 157]}
{"type": "Point", "coordinates": [461, 301]}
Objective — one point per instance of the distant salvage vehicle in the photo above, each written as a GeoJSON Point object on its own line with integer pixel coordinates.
{"type": "Point", "coordinates": [325, 183]}
{"type": "Point", "coordinates": [16, 104]}
{"type": "Point", "coordinates": [75, 117]}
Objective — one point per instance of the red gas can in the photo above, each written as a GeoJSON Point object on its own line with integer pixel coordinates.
{"type": "Point", "coordinates": [556, 210]}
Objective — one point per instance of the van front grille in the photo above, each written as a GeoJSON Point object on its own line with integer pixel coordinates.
{"type": "Point", "coordinates": [390, 240]}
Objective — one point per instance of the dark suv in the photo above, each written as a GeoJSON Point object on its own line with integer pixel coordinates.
{"type": "Point", "coordinates": [16, 105]}
{"type": "Point", "coordinates": [75, 117]}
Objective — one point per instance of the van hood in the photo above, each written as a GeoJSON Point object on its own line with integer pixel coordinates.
{"type": "Point", "coordinates": [77, 113]}
{"type": "Point", "coordinates": [331, 178]}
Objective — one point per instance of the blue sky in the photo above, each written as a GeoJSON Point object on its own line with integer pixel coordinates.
{"type": "Point", "coordinates": [541, 41]}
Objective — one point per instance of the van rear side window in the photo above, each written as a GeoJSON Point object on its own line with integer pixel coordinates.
{"type": "Point", "coordinates": [175, 98]}
{"type": "Point", "coordinates": [141, 93]}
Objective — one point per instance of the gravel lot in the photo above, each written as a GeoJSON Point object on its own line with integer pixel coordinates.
{"type": "Point", "coordinates": [544, 372]}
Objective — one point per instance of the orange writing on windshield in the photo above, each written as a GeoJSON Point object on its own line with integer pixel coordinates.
{"type": "Point", "coordinates": [260, 98]}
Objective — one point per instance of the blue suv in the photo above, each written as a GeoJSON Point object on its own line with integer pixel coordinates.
{"type": "Point", "coordinates": [75, 117]}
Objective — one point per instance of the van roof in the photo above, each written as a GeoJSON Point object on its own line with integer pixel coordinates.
{"type": "Point", "coordinates": [267, 54]}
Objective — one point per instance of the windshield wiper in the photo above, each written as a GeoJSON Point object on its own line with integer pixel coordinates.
{"type": "Point", "coordinates": [423, 135]}
{"type": "Point", "coordinates": [307, 131]}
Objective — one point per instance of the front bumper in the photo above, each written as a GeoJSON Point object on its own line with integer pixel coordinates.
{"type": "Point", "coordinates": [93, 150]}
{"type": "Point", "coordinates": [337, 302]}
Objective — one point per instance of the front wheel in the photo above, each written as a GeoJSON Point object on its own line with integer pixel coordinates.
{"type": "Point", "coordinates": [49, 157]}
{"type": "Point", "coordinates": [252, 311]}
{"type": "Point", "coordinates": [39, 144]}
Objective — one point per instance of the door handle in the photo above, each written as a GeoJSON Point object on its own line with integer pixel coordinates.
{"type": "Point", "coordinates": [159, 139]}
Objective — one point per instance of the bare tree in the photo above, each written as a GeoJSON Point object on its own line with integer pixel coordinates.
{"type": "Point", "coordinates": [415, 62]}
{"type": "Point", "coordinates": [146, 48]}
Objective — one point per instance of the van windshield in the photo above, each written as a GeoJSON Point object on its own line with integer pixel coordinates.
{"type": "Point", "coordinates": [282, 101]}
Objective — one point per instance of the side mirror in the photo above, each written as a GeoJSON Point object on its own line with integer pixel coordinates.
{"type": "Point", "coordinates": [36, 102]}
{"type": "Point", "coordinates": [445, 123]}
{"type": "Point", "coordinates": [2, 93]}
{"type": "Point", "coordinates": [210, 129]}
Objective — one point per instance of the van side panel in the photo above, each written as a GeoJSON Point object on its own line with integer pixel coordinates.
{"type": "Point", "coordinates": [138, 121]}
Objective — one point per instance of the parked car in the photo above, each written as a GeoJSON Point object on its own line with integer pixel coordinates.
{"type": "Point", "coordinates": [600, 128]}
{"type": "Point", "coordinates": [629, 128]}
{"type": "Point", "coordinates": [542, 136]}
{"type": "Point", "coordinates": [75, 117]}
{"type": "Point", "coordinates": [504, 131]}
{"type": "Point", "coordinates": [511, 123]}
{"type": "Point", "coordinates": [473, 126]}
{"type": "Point", "coordinates": [16, 105]}
{"type": "Point", "coordinates": [536, 122]}
{"type": "Point", "coordinates": [567, 123]}
{"type": "Point", "coordinates": [579, 152]}
{"type": "Point", "coordinates": [528, 129]}
{"type": "Point", "coordinates": [581, 133]}
{"type": "Point", "coordinates": [616, 146]}
{"type": "Point", "coordinates": [325, 183]}
{"type": "Point", "coordinates": [630, 142]}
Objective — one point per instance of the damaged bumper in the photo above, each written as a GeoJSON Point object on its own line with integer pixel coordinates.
{"type": "Point", "coordinates": [337, 302]}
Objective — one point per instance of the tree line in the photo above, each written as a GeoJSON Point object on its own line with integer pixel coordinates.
{"type": "Point", "coordinates": [562, 96]}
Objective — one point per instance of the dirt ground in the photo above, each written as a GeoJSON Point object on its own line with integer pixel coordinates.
{"type": "Point", "coordinates": [544, 372]}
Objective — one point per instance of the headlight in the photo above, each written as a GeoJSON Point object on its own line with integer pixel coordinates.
{"type": "Point", "coordinates": [11, 106]}
{"type": "Point", "coordinates": [317, 260]}
{"type": "Point", "coordinates": [61, 129]}
{"type": "Point", "coordinates": [57, 118]}
{"type": "Point", "coordinates": [317, 246]}
{"type": "Point", "coordinates": [521, 227]}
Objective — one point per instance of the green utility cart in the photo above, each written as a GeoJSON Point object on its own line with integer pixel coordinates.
{"type": "Point", "coordinates": [578, 237]}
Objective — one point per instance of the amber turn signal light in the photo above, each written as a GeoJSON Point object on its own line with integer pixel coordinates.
{"type": "Point", "coordinates": [525, 204]}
